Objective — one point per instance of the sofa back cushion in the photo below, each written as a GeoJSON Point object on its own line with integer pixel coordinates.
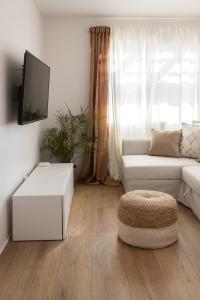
{"type": "Point", "coordinates": [165, 143]}
{"type": "Point", "coordinates": [190, 142]}
{"type": "Point", "coordinates": [135, 147]}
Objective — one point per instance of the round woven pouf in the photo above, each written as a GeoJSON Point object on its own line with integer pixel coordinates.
{"type": "Point", "coordinates": [148, 219]}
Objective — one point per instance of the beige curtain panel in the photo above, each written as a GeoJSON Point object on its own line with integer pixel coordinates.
{"type": "Point", "coordinates": [95, 165]}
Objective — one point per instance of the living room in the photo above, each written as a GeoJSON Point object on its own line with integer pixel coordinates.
{"type": "Point", "coordinates": [100, 149]}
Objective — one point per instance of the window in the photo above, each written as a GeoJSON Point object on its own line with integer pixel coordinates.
{"type": "Point", "coordinates": [154, 78]}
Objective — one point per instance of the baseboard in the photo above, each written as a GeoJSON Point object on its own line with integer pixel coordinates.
{"type": "Point", "coordinates": [5, 244]}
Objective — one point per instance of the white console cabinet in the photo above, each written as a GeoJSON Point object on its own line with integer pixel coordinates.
{"type": "Point", "coordinates": [41, 206]}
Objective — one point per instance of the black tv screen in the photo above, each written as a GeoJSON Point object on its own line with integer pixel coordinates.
{"type": "Point", "coordinates": [33, 104]}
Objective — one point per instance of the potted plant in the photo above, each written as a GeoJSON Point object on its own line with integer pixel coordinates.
{"type": "Point", "coordinates": [69, 138]}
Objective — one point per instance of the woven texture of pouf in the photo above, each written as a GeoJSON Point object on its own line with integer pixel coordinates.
{"type": "Point", "coordinates": [148, 219]}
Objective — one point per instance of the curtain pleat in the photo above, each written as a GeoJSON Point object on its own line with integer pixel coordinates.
{"type": "Point", "coordinates": [95, 164]}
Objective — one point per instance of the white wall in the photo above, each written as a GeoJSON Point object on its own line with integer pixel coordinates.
{"type": "Point", "coordinates": [66, 49]}
{"type": "Point", "coordinates": [21, 28]}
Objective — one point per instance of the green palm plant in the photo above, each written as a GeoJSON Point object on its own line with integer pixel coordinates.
{"type": "Point", "coordinates": [69, 137]}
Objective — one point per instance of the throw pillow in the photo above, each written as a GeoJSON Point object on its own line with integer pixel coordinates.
{"type": "Point", "coordinates": [190, 142]}
{"type": "Point", "coordinates": [195, 123]}
{"type": "Point", "coordinates": [165, 143]}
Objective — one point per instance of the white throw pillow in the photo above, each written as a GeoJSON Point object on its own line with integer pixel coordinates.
{"type": "Point", "coordinates": [196, 123]}
{"type": "Point", "coordinates": [190, 142]}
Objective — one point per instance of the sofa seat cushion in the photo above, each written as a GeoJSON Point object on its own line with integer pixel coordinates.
{"type": "Point", "coordinates": [191, 176]}
{"type": "Point", "coordinates": [154, 167]}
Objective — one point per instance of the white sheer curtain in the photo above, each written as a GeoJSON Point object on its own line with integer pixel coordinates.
{"type": "Point", "coordinates": [155, 81]}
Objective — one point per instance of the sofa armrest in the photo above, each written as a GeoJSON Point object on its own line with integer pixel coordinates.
{"type": "Point", "coordinates": [135, 147]}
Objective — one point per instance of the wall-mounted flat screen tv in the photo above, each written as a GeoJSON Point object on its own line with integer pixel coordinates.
{"type": "Point", "coordinates": [34, 95]}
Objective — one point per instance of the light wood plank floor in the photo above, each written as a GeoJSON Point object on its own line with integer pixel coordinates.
{"type": "Point", "coordinates": [93, 264]}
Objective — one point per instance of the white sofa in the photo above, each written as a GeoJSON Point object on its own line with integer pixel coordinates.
{"type": "Point", "coordinates": [179, 177]}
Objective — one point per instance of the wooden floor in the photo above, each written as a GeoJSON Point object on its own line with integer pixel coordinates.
{"type": "Point", "coordinates": [93, 264]}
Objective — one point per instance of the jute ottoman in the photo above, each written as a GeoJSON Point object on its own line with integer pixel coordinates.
{"type": "Point", "coordinates": [147, 219]}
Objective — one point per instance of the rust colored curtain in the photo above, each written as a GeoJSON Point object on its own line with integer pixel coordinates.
{"type": "Point", "coordinates": [95, 165]}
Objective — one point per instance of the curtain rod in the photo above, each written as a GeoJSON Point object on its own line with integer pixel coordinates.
{"type": "Point", "coordinates": [151, 18]}
{"type": "Point", "coordinates": [194, 20]}
{"type": "Point", "coordinates": [186, 18]}
{"type": "Point", "coordinates": [197, 20]}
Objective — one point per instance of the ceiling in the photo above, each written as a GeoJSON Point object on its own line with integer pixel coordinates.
{"type": "Point", "coordinates": [121, 8]}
